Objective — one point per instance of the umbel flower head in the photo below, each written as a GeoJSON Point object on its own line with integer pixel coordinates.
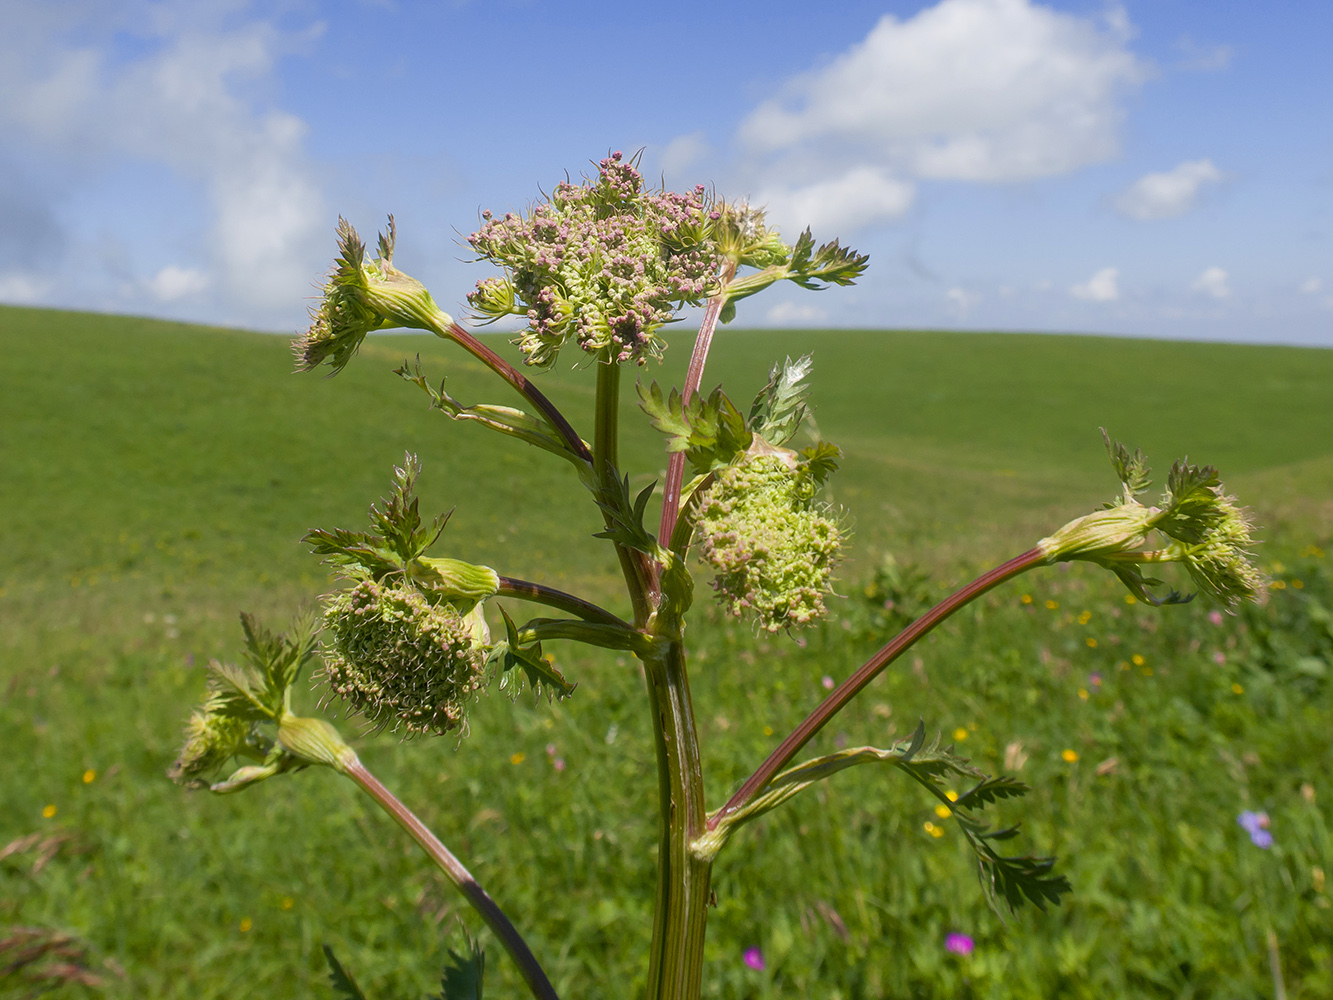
{"type": "Point", "coordinates": [211, 739]}
{"type": "Point", "coordinates": [773, 547]}
{"type": "Point", "coordinates": [400, 661]}
{"type": "Point", "coordinates": [1204, 529]}
{"type": "Point", "coordinates": [604, 263]}
{"type": "Point", "coordinates": [362, 295]}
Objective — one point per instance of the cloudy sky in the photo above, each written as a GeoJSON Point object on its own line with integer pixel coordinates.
{"type": "Point", "coordinates": [1155, 168]}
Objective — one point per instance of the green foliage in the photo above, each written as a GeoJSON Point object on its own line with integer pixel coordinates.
{"type": "Point", "coordinates": [402, 535]}
{"type": "Point", "coordinates": [344, 986]}
{"type": "Point", "coordinates": [780, 406]}
{"type": "Point", "coordinates": [540, 672]}
{"type": "Point", "coordinates": [708, 429]}
{"type": "Point", "coordinates": [463, 974]}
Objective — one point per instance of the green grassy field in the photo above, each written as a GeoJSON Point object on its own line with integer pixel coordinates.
{"type": "Point", "coordinates": [155, 479]}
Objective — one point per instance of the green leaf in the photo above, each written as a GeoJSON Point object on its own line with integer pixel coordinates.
{"type": "Point", "coordinates": [463, 974]}
{"type": "Point", "coordinates": [241, 692]}
{"type": "Point", "coordinates": [831, 264]}
{"type": "Point", "coordinates": [626, 515]}
{"type": "Point", "coordinates": [344, 986]}
{"type": "Point", "coordinates": [280, 658]}
{"type": "Point", "coordinates": [1191, 502]}
{"type": "Point", "coordinates": [535, 667]}
{"type": "Point", "coordinates": [401, 537]}
{"type": "Point", "coordinates": [710, 430]}
{"type": "Point", "coordinates": [779, 407]}
{"type": "Point", "coordinates": [1015, 879]}
{"type": "Point", "coordinates": [819, 461]}
{"type": "Point", "coordinates": [1132, 470]}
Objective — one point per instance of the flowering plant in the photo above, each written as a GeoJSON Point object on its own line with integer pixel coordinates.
{"type": "Point", "coordinates": [603, 267]}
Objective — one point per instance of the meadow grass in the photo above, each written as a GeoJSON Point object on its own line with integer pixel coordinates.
{"type": "Point", "coordinates": [155, 479]}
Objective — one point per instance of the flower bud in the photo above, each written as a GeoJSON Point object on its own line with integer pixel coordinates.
{"type": "Point", "coordinates": [314, 741]}
{"type": "Point", "coordinates": [360, 296]}
{"type": "Point", "coordinates": [399, 660]}
{"type": "Point", "coordinates": [210, 741]}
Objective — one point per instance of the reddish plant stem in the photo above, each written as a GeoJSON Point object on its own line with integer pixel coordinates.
{"type": "Point", "coordinates": [542, 594]}
{"type": "Point", "coordinates": [693, 376]}
{"type": "Point", "coordinates": [487, 908]}
{"type": "Point", "coordinates": [520, 382]}
{"type": "Point", "coordinates": [852, 686]}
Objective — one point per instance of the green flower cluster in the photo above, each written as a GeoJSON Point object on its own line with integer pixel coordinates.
{"type": "Point", "coordinates": [605, 263]}
{"type": "Point", "coordinates": [772, 546]}
{"type": "Point", "coordinates": [211, 739]}
{"type": "Point", "coordinates": [401, 661]}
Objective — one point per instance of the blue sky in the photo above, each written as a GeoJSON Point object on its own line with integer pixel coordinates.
{"type": "Point", "coordinates": [1157, 168]}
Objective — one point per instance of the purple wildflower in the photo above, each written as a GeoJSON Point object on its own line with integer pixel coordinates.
{"type": "Point", "coordinates": [1215, 617]}
{"type": "Point", "coordinates": [1095, 678]}
{"type": "Point", "coordinates": [1256, 825]}
{"type": "Point", "coordinates": [959, 944]}
{"type": "Point", "coordinates": [754, 959]}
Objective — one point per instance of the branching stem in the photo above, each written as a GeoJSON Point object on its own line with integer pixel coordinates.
{"type": "Point", "coordinates": [518, 380]}
{"type": "Point", "coordinates": [852, 686]}
{"type": "Point", "coordinates": [693, 376]}
{"type": "Point", "coordinates": [541, 594]}
{"type": "Point", "coordinates": [490, 912]}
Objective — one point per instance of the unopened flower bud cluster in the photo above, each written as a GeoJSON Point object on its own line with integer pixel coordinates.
{"type": "Point", "coordinates": [399, 660]}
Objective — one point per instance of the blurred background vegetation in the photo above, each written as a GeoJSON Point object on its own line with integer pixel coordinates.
{"type": "Point", "coordinates": [155, 480]}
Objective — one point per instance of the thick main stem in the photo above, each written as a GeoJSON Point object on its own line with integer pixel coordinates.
{"type": "Point", "coordinates": [490, 912]}
{"type": "Point", "coordinates": [681, 912]}
{"type": "Point", "coordinates": [675, 476]}
{"type": "Point", "coordinates": [606, 444]}
{"type": "Point", "coordinates": [852, 686]}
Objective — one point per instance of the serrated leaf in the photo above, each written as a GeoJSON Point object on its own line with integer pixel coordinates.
{"type": "Point", "coordinates": [529, 659]}
{"type": "Point", "coordinates": [462, 976]}
{"type": "Point", "coordinates": [819, 461]}
{"type": "Point", "coordinates": [625, 515]}
{"type": "Point", "coordinates": [344, 986]}
{"type": "Point", "coordinates": [240, 692]}
{"type": "Point", "coordinates": [992, 790]}
{"type": "Point", "coordinates": [1132, 470]}
{"type": "Point", "coordinates": [779, 407]}
{"type": "Point", "coordinates": [830, 264]}
{"type": "Point", "coordinates": [708, 429]}
{"type": "Point", "coordinates": [1191, 502]}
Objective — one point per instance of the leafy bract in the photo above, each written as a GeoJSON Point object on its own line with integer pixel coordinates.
{"type": "Point", "coordinates": [779, 407]}
{"type": "Point", "coordinates": [708, 429]}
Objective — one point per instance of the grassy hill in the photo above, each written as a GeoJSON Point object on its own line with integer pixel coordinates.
{"type": "Point", "coordinates": [155, 478]}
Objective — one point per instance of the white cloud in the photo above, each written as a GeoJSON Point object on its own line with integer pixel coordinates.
{"type": "Point", "coordinates": [682, 153]}
{"type": "Point", "coordinates": [1101, 287]}
{"type": "Point", "coordinates": [188, 100]}
{"type": "Point", "coordinates": [1311, 286]}
{"type": "Point", "coordinates": [22, 288]}
{"type": "Point", "coordinates": [961, 301]}
{"type": "Point", "coordinates": [1213, 282]}
{"type": "Point", "coordinates": [795, 314]}
{"type": "Point", "coordinates": [1168, 194]}
{"type": "Point", "coordinates": [1203, 58]}
{"type": "Point", "coordinates": [172, 283]}
{"type": "Point", "coordinates": [973, 90]}
{"type": "Point", "coordinates": [860, 197]}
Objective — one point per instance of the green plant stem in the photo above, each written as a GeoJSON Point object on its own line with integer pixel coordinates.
{"type": "Point", "coordinates": [606, 443]}
{"type": "Point", "coordinates": [852, 686]}
{"type": "Point", "coordinates": [490, 912]}
{"type": "Point", "coordinates": [693, 376]}
{"type": "Point", "coordinates": [681, 908]}
{"type": "Point", "coordinates": [516, 379]}
{"type": "Point", "coordinates": [541, 594]}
